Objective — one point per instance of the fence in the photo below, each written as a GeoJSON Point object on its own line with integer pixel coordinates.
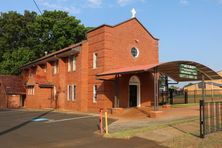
{"type": "Point", "coordinates": [192, 96]}
{"type": "Point", "coordinates": [210, 95]}
{"type": "Point", "coordinates": [210, 117]}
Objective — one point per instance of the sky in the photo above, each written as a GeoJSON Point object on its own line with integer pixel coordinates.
{"type": "Point", "coordinates": [187, 29]}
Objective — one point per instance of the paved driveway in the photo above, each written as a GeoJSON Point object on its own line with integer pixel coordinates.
{"type": "Point", "coordinates": [63, 130]}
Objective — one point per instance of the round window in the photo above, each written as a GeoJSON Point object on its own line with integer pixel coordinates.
{"type": "Point", "coordinates": [134, 52]}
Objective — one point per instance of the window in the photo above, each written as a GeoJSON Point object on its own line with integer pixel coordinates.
{"type": "Point", "coordinates": [95, 60]}
{"type": "Point", "coordinates": [72, 63]}
{"type": "Point", "coordinates": [31, 73]}
{"type": "Point", "coordinates": [31, 90]}
{"type": "Point", "coordinates": [69, 64]}
{"type": "Point", "coordinates": [134, 52]}
{"type": "Point", "coordinates": [44, 68]}
{"type": "Point", "coordinates": [71, 92]}
{"type": "Point", "coordinates": [94, 93]}
{"type": "Point", "coordinates": [55, 67]}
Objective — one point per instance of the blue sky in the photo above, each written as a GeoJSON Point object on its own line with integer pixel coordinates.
{"type": "Point", "coordinates": [187, 29]}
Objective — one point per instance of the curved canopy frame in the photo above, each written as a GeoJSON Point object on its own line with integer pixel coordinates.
{"type": "Point", "coordinates": [170, 69]}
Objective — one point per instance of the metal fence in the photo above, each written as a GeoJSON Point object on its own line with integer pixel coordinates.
{"type": "Point", "coordinates": [210, 95]}
{"type": "Point", "coordinates": [193, 96]}
{"type": "Point", "coordinates": [210, 117]}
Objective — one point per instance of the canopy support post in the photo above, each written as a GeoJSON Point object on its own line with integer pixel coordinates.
{"type": "Point", "coordinates": [202, 110]}
{"type": "Point", "coordinates": [156, 90]}
{"type": "Point", "coordinates": [116, 89]}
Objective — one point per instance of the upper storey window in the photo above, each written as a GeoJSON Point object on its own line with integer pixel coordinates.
{"type": "Point", "coordinates": [95, 55]}
{"type": "Point", "coordinates": [72, 63]}
{"type": "Point", "coordinates": [32, 72]}
{"type": "Point", "coordinates": [55, 67]}
{"type": "Point", "coordinates": [43, 67]}
{"type": "Point", "coordinates": [134, 52]}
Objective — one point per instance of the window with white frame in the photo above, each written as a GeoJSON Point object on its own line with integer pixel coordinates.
{"type": "Point", "coordinates": [55, 67]}
{"type": "Point", "coordinates": [71, 92]}
{"type": "Point", "coordinates": [95, 60]}
{"type": "Point", "coordinates": [71, 63]}
{"type": "Point", "coordinates": [94, 93]}
{"type": "Point", "coordinates": [31, 90]}
{"type": "Point", "coordinates": [74, 63]}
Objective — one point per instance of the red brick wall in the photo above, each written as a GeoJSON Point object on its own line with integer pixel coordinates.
{"type": "Point", "coordinates": [129, 35]}
{"type": "Point", "coordinates": [84, 77]}
{"type": "Point", "coordinates": [13, 101]}
{"type": "Point", "coordinates": [98, 41]}
{"type": "Point", "coordinates": [41, 98]}
{"type": "Point", "coordinates": [61, 80]}
{"type": "Point", "coordinates": [3, 97]}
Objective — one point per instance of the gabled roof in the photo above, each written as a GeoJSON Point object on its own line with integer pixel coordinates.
{"type": "Point", "coordinates": [124, 23]}
{"type": "Point", "coordinates": [13, 85]}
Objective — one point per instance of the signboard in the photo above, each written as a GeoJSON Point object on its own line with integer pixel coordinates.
{"type": "Point", "coordinates": [188, 71]}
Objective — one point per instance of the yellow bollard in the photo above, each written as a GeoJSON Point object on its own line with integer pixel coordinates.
{"type": "Point", "coordinates": [106, 123]}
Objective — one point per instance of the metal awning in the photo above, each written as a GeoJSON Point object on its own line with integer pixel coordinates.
{"type": "Point", "coordinates": [170, 69]}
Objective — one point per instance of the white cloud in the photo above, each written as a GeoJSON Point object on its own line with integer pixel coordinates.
{"type": "Point", "coordinates": [184, 2]}
{"type": "Point", "coordinates": [58, 5]}
{"type": "Point", "coordinates": [123, 3]}
{"type": "Point", "coordinates": [95, 3]}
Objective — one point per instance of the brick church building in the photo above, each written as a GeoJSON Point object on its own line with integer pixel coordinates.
{"type": "Point", "coordinates": [79, 77]}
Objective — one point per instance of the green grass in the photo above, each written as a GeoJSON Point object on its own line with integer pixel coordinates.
{"type": "Point", "coordinates": [127, 134]}
{"type": "Point", "coordinates": [184, 105]}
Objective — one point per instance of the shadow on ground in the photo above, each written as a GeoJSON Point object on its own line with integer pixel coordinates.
{"type": "Point", "coordinates": [23, 124]}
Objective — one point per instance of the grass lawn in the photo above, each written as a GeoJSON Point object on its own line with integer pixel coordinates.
{"type": "Point", "coordinates": [184, 105]}
{"type": "Point", "coordinates": [175, 134]}
{"type": "Point", "coordinates": [132, 132]}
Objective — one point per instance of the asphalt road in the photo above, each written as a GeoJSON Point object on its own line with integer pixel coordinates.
{"type": "Point", "coordinates": [18, 130]}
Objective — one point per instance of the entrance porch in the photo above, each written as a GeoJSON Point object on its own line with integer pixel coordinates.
{"type": "Point", "coordinates": [138, 86]}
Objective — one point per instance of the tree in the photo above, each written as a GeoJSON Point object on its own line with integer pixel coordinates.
{"type": "Point", "coordinates": [33, 34]}
{"type": "Point", "coordinates": [11, 61]}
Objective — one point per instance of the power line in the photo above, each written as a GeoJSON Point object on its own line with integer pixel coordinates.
{"type": "Point", "coordinates": [37, 6]}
